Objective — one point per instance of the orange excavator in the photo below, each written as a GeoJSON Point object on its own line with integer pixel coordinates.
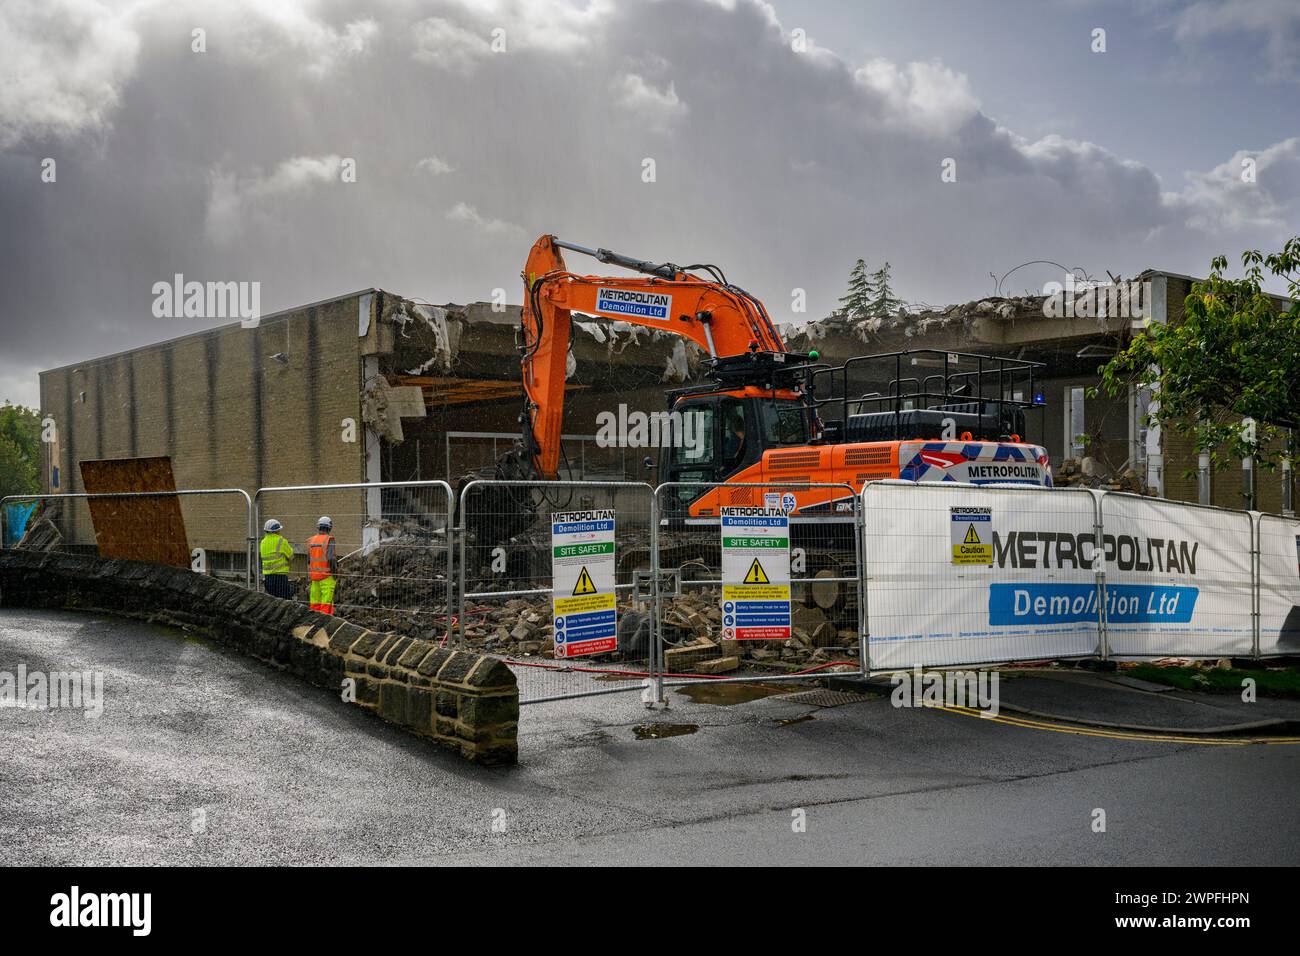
{"type": "Point", "coordinates": [766, 416]}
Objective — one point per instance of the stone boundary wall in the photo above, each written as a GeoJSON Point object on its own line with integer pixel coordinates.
{"type": "Point", "coordinates": [463, 701]}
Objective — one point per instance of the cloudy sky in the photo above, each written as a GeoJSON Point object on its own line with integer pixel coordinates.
{"type": "Point", "coordinates": [787, 138]}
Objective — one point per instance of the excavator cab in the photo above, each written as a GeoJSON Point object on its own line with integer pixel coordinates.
{"type": "Point", "coordinates": [725, 433]}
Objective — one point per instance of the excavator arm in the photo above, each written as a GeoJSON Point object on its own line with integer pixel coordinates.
{"type": "Point", "coordinates": [720, 318]}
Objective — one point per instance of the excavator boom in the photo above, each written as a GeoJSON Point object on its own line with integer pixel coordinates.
{"type": "Point", "coordinates": [720, 318]}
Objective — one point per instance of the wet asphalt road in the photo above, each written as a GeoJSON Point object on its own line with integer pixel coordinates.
{"type": "Point", "coordinates": [284, 773]}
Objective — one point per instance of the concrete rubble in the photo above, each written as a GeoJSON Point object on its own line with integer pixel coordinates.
{"type": "Point", "coordinates": [383, 407]}
{"type": "Point", "coordinates": [400, 585]}
{"type": "Point", "coordinates": [965, 316]}
{"type": "Point", "coordinates": [521, 627]}
{"type": "Point", "coordinates": [1083, 474]}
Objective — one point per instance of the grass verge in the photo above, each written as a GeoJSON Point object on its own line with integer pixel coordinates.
{"type": "Point", "coordinates": [1276, 682]}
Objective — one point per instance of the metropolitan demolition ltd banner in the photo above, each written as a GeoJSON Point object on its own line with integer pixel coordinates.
{"type": "Point", "coordinates": [755, 573]}
{"type": "Point", "coordinates": [582, 582]}
{"type": "Point", "coordinates": [973, 575]}
{"type": "Point", "coordinates": [645, 305]}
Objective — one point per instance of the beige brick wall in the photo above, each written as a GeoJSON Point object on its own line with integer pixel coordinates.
{"type": "Point", "coordinates": [227, 414]}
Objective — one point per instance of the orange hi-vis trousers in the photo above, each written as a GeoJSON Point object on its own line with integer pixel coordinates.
{"type": "Point", "coordinates": [322, 595]}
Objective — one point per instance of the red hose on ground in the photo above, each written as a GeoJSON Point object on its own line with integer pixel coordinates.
{"type": "Point", "coordinates": [625, 673]}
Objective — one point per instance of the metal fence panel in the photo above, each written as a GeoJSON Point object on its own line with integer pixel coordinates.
{"type": "Point", "coordinates": [826, 589]}
{"type": "Point", "coordinates": [1179, 578]}
{"type": "Point", "coordinates": [505, 565]}
{"type": "Point", "coordinates": [1036, 598]}
{"type": "Point", "coordinates": [218, 525]}
{"type": "Point", "coordinates": [1278, 578]}
{"type": "Point", "coordinates": [394, 543]}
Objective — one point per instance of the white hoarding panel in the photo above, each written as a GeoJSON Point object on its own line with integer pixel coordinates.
{"type": "Point", "coordinates": [1279, 585]}
{"type": "Point", "coordinates": [1178, 578]}
{"type": "Point", "coordinates": [962, 575]}
{"type": "Point", "coordinates": [1022, 589]}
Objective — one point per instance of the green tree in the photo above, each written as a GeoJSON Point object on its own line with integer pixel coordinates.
{"type": "Point", "coordinates": [20, 450]}
{"type": "Point", "coordinates": [854, 304]}
{"type": "Point", "coordinates": [1235, 356]}
{"type": "Point", "coordinates": [883, 301]}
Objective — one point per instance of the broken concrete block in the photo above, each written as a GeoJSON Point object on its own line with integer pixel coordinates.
{"type": "Point", "coordinates": [807, 618]}
{"type": "Point", "coordinates": [679, 659]}
{"type": "Point", "coordinates": [824, 636]}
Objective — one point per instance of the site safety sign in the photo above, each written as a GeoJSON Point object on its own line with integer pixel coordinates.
{"type": "Point", "coordinates": [582, 582]}
{"type": "Point", "coordinates": [755, 573]}
{"type": "Point", "coordinates": [971, 533]}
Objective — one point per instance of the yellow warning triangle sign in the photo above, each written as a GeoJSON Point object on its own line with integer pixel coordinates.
{"type": "Point", "coordinates": [971, 536]}
{"type": "Point", "coordinates": [756, 574]}
{"type": "Point", "coordinates": [584, 585]}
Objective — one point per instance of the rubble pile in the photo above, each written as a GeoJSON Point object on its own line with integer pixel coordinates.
{"type": "Point", "coordinates": [918, 322]}
{"type": "Point", "coordinates": [521, 627]}
{"type": "Point", "coordinates": [1083, 474]}
{"type": "Point", "coordinates": [399, 585]}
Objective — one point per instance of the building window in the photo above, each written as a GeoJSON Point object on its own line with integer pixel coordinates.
{"type": "Point", "coordinates": [1075, 426]}
{"type": "Point", "coordinates": [1140, 399]}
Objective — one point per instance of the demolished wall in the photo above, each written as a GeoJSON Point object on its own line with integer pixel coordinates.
{"type": "Point", "coordinates": [465, 360]}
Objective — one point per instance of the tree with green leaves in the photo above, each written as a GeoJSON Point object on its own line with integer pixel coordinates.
{"type": "Point", "coordinates": [1234, 358]}
{"type": "Point", "coordinates": [20, 450]}
{"type": "Point", "coordinates": [855, 303]}
{"type": "Point", "coordinates": [883, 301]}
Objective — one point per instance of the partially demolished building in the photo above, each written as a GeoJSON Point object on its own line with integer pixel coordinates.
{"type": "Point", "coordinates": [372, 387]}
{"type": "Point", "coordinates": [365, 387]}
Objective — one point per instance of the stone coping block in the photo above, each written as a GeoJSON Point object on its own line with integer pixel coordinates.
{"type": "Point", "coordinates": [462, 701]}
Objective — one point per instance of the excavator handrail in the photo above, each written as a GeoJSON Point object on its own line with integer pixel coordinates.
{"type": "Point", "coordinates": [1001, 371]}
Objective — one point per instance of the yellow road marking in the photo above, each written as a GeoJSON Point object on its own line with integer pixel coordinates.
{"type": "Point", "coordinates": [1081, 731]}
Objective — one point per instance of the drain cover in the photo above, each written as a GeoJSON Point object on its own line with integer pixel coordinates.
{"type": "Point", "coordinates": [824, 698]}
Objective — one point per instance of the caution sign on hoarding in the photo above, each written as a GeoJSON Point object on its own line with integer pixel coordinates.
{"type": "Point", "coordinates": [972, 535]}
{"type": "Point", "coordinates": [755, 573]}
{"type": "Point", "coordinates": [582, 582]}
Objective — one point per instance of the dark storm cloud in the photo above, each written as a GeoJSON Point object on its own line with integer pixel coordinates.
{"type": "Point", "coordinates": [781, 166]}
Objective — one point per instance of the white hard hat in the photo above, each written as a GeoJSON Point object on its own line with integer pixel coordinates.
{"type": "Point", "coordinates": [273, 526]}
{"type": "Point", "coordinates": [325, 521]}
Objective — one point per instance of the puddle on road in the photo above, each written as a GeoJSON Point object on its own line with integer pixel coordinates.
{"type": "Point", "coordinates": [655, 731]}
{"type": "Point", "coordinates": [724, 695]}
{"type": "Point", "coordinates": [793, 720]}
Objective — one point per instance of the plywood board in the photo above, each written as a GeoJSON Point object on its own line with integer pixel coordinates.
{"type": "Point", "coordinates": [139, 529]}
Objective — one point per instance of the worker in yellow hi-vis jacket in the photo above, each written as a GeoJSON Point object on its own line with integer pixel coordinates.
{"type": "Point", "coordinates": [276, 553]}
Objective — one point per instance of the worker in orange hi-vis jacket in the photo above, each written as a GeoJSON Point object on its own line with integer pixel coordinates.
{"type": "Point", "coordinates": [322, 566]}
